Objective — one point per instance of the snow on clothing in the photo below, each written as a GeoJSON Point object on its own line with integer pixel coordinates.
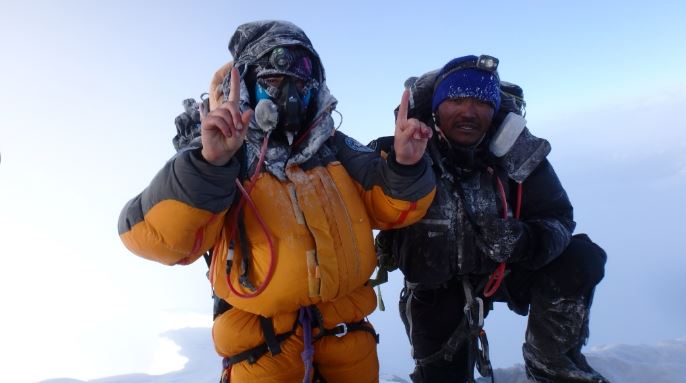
{"type": "Point", "coordinates": [551, 271]}
{"type": "Point", "coordinates": [319, 203]}
{"type": "Point", "coordinates": [464, 235]}
{"type": "Point", "coordinates": [448, 240]}
{"type": "Point", "coordinates": [445, 242]}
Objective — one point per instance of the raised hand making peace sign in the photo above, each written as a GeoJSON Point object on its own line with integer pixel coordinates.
{"type": "Point", "coordinates": [411, 135]}
{"type": "Point", "coordinates": [223, 130]}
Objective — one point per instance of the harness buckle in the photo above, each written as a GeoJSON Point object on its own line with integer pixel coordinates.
{"type": "Point", "coordinates": [344, 330]}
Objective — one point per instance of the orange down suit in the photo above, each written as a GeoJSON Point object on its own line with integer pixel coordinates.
{"type": "Point", "coordinates": [319, 220]}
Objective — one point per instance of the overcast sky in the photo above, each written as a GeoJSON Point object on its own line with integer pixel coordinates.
{"type": "Point", "coordinates": [89, 91]}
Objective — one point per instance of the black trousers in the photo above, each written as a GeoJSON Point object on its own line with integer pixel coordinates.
{"type": "Point", "coordinates": [431, 316]}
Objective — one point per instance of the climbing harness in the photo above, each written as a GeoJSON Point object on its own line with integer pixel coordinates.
{"type": "Point", "coordinates": [312, 323]}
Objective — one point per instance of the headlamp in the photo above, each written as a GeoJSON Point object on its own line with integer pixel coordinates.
{"type": "Point", "coordinates": [484, 62]}
{"type": "Point", "coordinates": [281, 59]}
{"type": "Point", "coordinates": [487, 63]}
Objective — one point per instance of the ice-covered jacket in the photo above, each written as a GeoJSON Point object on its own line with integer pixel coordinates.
{"type": "Point", "coordinates": [446, 241]}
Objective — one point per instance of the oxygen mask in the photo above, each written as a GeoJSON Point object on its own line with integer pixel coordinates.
{"type": "Point", "coordinates": [284, 89]}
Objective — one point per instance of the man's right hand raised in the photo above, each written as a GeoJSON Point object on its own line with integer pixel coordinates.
{"type": "Point", "coordinates": [223, 130]}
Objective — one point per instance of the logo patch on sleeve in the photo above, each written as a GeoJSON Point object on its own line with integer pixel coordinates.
{"type": "Point", "coordinates": [356, 146]}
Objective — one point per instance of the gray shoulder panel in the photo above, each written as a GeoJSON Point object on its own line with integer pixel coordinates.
{"type": "Point", "coordinates": [187, 178]}
{"type": "Point", "coordinates": [367, 167]}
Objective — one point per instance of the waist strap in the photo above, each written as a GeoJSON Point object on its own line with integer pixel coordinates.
{"type": "Point", "coordinates": [273, 341]}
{"type": "Point", "coordinates": [255, 353]}
{"type": "Point", "coordinates": [342, 329]}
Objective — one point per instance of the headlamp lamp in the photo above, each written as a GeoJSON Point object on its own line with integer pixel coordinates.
{"type": "Point", "coordinates": [281, 59]}
{"type": "Point", "coordinates": [487, 63]}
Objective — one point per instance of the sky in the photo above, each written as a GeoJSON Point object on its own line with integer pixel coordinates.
{"type": "Point", "coordinates": [89, 91]}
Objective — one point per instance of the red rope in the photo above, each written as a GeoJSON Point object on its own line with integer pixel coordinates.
{"type": "Point", "coordinates": [307, 131]}
{"type": "Point", "coordinates": [233, 223]}
{"type": "Point", "coordinates": [495, 280]}
{"type": "Point", "coordinates": [272, 252]}
{"type": "Point", "coordinates": [501, 192]}
{"type": "Point", "coordinates": [246, 197]}
{"type": "Point", "coordinates": [226, 375]}
{"type": "Point", "coordinates": [518, 210]}
{"type": "Point", "coordinates": [498, 275]}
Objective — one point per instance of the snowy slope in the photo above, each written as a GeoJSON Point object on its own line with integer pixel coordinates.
{"type": "Point", "coordinates": [664, 362]}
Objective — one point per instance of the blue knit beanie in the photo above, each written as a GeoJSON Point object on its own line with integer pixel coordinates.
{"type": "Point", "coordinates": [458, 79]}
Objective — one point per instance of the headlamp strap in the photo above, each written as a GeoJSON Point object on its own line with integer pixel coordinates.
{"type": "Point", "coordinates": [484, 62]}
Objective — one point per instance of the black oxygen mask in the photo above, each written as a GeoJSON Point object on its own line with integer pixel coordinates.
{"type": "Point", "coordinates": [290, 97]}
{"type": "Point", "coordinates": [292, 107]}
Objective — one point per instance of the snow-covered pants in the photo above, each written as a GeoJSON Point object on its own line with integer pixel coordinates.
{"type": "Point", "coordinates": [431, 316]}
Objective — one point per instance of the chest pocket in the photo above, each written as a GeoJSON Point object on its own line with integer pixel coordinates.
{"type": "Point", "coordinates": [436, 227]}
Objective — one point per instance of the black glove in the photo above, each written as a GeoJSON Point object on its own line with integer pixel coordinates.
{"type": "Point", "coordinates": [503, 239]}
{"type": "Point", "coordinates": [384, 250]}
{"type": "Point", "coordinates": [187, 125]}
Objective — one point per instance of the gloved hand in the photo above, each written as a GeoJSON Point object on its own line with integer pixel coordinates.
{"type": "Point", "coordinates": [384, 251]}
{"type": "Point", "coordinates": [187, 124]}
{"type": "Point", "coordinates": [502, 239]}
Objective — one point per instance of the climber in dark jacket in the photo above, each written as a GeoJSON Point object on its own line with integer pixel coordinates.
{"type": "Point", "coordinates": [499, 210]}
